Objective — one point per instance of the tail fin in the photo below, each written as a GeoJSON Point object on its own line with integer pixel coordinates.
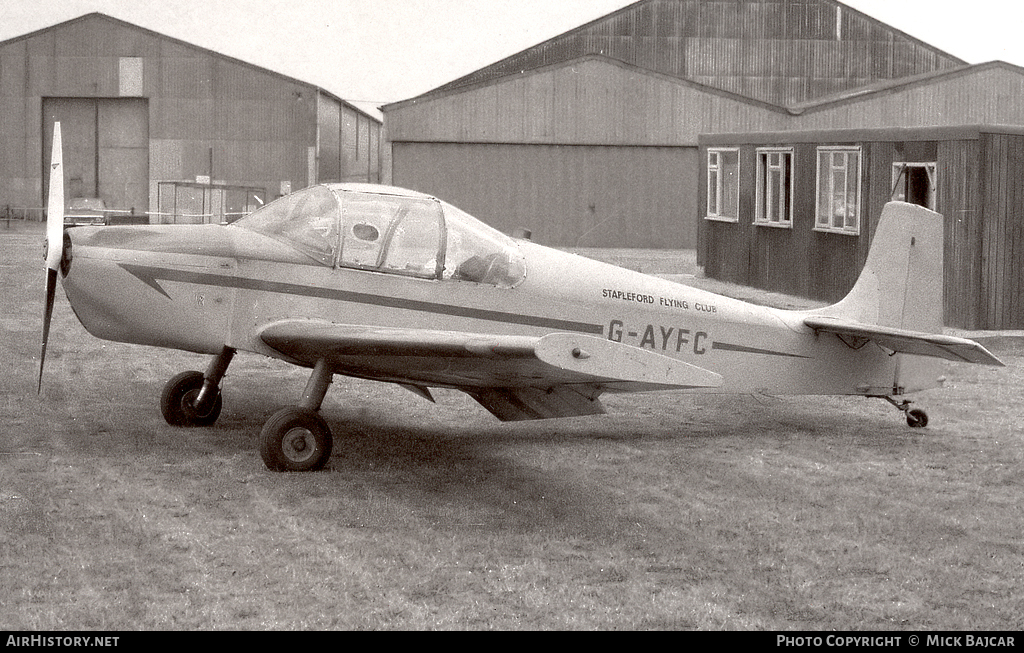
{"type": "Point", "coordinates": [901, 283]}
{"type": "Point", "coordinates": [898, 298]}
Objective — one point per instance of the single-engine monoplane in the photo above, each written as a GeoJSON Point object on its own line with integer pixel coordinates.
{"type": "Point", "coordinates": [397, 286]}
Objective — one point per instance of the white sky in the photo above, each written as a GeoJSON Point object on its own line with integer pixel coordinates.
{"type": "Point", "coordinates": [377, 51]}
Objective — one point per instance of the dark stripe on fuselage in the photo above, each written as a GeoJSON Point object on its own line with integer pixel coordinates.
{"type": "Point", "coordinates": [724, 346]}
{"type": "Point", "coordinates": [151, 275]}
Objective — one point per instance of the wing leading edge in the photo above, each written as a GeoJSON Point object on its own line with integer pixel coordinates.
{"type": "Point", "coordinates": [515, 377]}
{"type": "Point", "coordinates": [935, 345]}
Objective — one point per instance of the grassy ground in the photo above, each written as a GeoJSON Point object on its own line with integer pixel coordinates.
{"type": "Point", "coordinates": [673, 512]}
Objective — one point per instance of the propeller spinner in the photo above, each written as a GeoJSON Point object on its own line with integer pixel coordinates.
{"type": "Point", "coordinates": [54, 238]}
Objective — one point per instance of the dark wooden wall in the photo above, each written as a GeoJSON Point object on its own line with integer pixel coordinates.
{"type": "Point", "coordinates": [797, 261]}
{"type": "Point", "coordinates": [1002, 246]}
{"type": "Point", "coordinates": [959, 201]}
{"type": "Point", "coordinates": [980, 192]}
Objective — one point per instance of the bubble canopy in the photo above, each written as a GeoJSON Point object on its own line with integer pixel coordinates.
{"type": "Point", "coordinates": [392, 231]}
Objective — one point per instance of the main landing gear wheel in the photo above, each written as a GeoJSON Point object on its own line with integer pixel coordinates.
{"type": "Point", "coordinates": [178, 401]}
{"type": "Point", "coordinates": [296, 440]}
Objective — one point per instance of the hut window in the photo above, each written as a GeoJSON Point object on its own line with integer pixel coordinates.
{"type": "Point", "coordinates": [838, 203]}
{"type": "Point", "coordinates": [774, 187]}
{"type": "Point", "coordinates": [723, 184]}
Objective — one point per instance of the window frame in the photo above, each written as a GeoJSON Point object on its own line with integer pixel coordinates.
{"type": "Point", "coordinates": [403, 207]}
{"type": "Point", "coordinates": [495, 259]}
{"type": "Point", "coordinates": [289, 221]}
{"type": "Point", "coordinates": [824, 221]}
{"type": "Point", "coordinates": [786, 182]}
{"type": "Point", "coordinates": [716, 188]}
{"type": "Point", "coordinates": [395, 232]}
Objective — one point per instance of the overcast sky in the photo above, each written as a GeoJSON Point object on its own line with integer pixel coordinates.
{"type": "Point", "coordinates": [377, 51]}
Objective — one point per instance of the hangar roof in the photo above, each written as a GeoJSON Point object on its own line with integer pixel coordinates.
{"type": "Point", "coordinates": [778, 52]}
{"type": "Point", "coordinates": [124, 24]}
{"type": "Point", "coordinates": [876, 135]}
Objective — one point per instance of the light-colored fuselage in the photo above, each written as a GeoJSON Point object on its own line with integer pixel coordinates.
{"type": "Point", "coordinates": [201, 288]}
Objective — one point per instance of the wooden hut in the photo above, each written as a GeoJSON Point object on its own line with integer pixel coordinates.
{"type": "Point", "coordinates": [795, 212]}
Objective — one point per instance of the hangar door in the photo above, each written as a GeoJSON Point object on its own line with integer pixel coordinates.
{"type": "Point", "coordinates": [567, 195]}
{"type": "Point", "coordinates": [106, 149]}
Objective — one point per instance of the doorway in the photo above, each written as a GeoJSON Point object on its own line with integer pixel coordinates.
{"type": "Point", "coordinates": [914, 183]}
{"type": "Point", "coordinates": [106, 149]}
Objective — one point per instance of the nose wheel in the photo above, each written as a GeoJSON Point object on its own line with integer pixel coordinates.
{"type": "Point", "coordinates": [193, 399]}
{"type": "Point", "coordinates": [178, 402]}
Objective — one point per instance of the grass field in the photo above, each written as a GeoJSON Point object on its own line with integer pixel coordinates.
{"type": "Point", "coordinates": [672, 512]}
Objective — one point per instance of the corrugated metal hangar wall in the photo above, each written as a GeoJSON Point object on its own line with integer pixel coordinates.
{"type": "Point", "coordinates": [106, 149]}
{"type": "Point", "coordinates": [138, 108]}
{"type": "Point", "coordinates": [590, 138]}
{"type": "Point", "coordinates": [571, 195]}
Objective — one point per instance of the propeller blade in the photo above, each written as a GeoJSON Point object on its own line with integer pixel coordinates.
{"type": "Point", "coordinates": [51, 287]}
{"type": "Point", "coordinates": [54, 238]}
{"type": "Point", "coordinates": [55, 205]}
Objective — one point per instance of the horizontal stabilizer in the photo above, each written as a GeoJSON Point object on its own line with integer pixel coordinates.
{"type": "Point", "coordinates": [905, 342]}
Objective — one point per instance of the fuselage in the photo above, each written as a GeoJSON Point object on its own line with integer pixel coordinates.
{"type": "Point", "coordinates": [201, 288]}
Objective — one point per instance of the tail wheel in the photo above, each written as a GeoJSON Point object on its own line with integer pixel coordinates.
{"type": "Point", "coordinates": [296, 440]}
{"type": "Point", "coordinates": [917, 418]}
{"type": "Point", "coordinates": [177, 402]}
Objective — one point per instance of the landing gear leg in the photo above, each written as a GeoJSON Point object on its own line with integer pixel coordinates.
{"type": "Point", "coordinates": [215, 371]}
{"type": "Point", "coordinates": [193, 398]}
{"type": "Point", "coordinates": [916, 417]}
{"type": "Point", "coordinates": [297, 439]}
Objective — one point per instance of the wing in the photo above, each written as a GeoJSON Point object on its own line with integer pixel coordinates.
{"type": "Point", "coordinates": [906, 342]}
{"type": "Point", "coordinates": [515, 377]}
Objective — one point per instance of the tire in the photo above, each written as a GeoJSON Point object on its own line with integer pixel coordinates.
{"type": "Point", "coordinates": [177, 401]}
{"type": "Point", "coordinates": [917, 418]}
{"type": "Point", "coordinates": [296, 440]}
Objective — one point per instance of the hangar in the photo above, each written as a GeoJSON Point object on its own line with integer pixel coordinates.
{"type": "Point", "coordinates": [165, 131]}
{"type": "Point", "coordinates": [590, 139]}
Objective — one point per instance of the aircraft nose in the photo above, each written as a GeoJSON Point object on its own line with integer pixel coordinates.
{"type": "Point", "coordinates": [145, 285]}
{"type": "Point", "coordinates": [86, 278]}
{"type": "Point", "coordinates": [75, 239]}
